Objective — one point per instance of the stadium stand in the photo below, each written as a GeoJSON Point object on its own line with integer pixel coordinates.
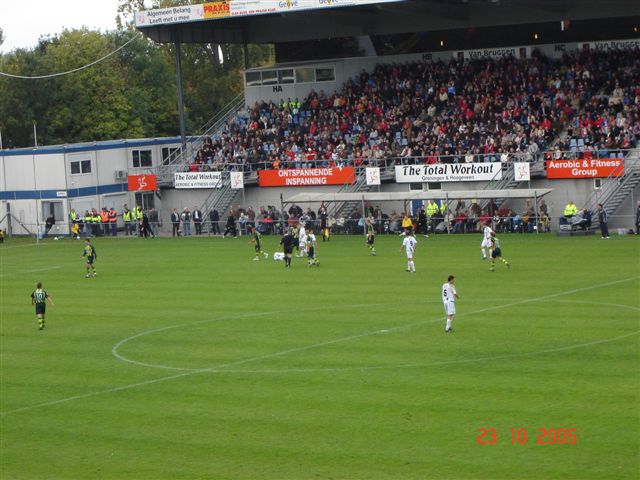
{"type": "Point", "coordinates": [426, 112]}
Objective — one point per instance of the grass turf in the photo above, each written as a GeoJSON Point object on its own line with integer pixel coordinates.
{"type": "Point", "coordinates": [185, 359]}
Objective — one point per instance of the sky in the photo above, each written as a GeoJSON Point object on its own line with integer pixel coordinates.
{"type": "Point", "coordinates": [25, 21]}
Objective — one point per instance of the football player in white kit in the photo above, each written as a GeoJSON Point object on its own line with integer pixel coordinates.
{"type": "Point", "coordinates": [449, 296]}
{"type": "Point", "coordinates": [302, 240]}
{"type": "Point", "coordinates": [486, 241]}
{"type": "Point", "coordinates": [409, 244]}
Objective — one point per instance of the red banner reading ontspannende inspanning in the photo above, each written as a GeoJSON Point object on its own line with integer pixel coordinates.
{"type": "Point", "coordinates": [307, 177]}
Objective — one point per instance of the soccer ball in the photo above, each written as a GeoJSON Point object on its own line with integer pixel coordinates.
{"type": "Point", "coordinates": [55, 238]}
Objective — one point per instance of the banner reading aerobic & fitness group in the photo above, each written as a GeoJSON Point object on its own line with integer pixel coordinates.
{"type": "Point", "coordinates": [198, 180]}
{"type": "Point", "coordinates": [588, 168]}
{"type": "Point", "coordinates": [449, 172]}
{"type": "Point", "coordinates": [303, 177]}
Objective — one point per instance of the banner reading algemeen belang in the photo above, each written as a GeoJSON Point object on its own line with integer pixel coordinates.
{"type": "Point", "coordinates": [304, 177]}
{"type": "Point", "coordinates": [449, 172]}
{"type": "Point", "coordinates": [587, 168]}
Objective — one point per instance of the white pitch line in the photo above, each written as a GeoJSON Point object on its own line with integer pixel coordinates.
{"type": "Point", "coordinates": [446, 362]}
{"type": "Point", "coordinates": [34, 270]}
{"type": "Point", "coordinates": [99, 392]}
{"type": "Point", "coordinates": [9, 247]}
{"type": "Point", "coordinates": [352, 337]}
{"type": "Point", "coordinates": [284, 352]}
{"type": "Point", "coordinates": [116, 347]}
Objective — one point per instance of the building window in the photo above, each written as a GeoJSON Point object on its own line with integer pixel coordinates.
{"type": "Point", "coordinates": [254, 79]}
{"type": "Point", "coordinates": [270, 77]}
{"type": "Point", "coordinates": [169, 154]}
{"type": "Point", "coordinates": [52, 208]}
{"type": "Point", "coordinates": [289, 75]}
{"type": "Point", "coordinates": [325, 74]}
{"type": "Point", "coordinates": [141, 158]}
{"type": "Point", "coordinates": [305, 75]}
{"type": "Point", "coordinates": [286, 76]}
{"type": "Point", "coordinates": [146, 200]}
{"type": "Point", "coordinates": [79, 167]}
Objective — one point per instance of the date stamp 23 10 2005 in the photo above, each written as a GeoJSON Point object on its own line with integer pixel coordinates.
{"type": "Point", "coordinates": [519, 436]}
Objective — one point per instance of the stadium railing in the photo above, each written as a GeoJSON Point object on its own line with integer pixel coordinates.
{"type": "Point", "coordinates": [387, 163]}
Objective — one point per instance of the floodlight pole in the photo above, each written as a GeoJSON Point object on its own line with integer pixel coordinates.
{"type": "Point", "coordinates": [183, 130]}
{"type": "Point", "coordinates": [535, 197]}
{"type": "Point", "coordinates": [446, 213]}
{"type": "Point", "coordinates": [9, 227]}
{"type": "Point", "coordinates": [282, 213]}
{"type": "Point", "coordinates": [245, 48]}
{"type": "Point", "coordinates": [364, 217]}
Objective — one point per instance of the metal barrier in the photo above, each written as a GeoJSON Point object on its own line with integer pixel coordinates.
{"type": "Point", "coordinates": [385, 164]}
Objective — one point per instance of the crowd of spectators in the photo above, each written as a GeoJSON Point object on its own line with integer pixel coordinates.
{"type": "Point", "coordinates": [457, 217]}
{"type": "Point", "coordinates": [428, 112]}
{"type": "Point", "coordinates": [609, 121]}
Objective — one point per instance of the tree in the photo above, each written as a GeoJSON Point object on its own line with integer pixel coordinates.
{"type": "Point", "coordinates": [209, 82]}
{"type": "Point", "coordinates": [131, 94]}
{"type": "Point", "coordinates": [117, 98]}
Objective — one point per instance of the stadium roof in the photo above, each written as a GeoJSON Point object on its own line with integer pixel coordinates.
{"type": "Point", "coordinates": [421, 195]}
{"type": "Point", "coordinates": [366, 18]}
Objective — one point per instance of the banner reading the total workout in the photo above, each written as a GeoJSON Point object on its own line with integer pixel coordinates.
{"type": "Point", "coordinates": [449, 172]}
{"type": "Point", "coordinates": [307, 177]}
{"type": "Point", "coordinates": [198, 180]}
{"type": "Point", "coordinates": [587, 168]}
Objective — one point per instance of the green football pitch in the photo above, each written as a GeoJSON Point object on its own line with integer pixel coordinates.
{"type": "Point", "coordinates": [185, 359]}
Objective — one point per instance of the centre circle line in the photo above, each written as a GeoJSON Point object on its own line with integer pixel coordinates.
{"type": "Point", "coordinates": [338, 340]}
{"type": "Point", "coordinates": [154, 381]}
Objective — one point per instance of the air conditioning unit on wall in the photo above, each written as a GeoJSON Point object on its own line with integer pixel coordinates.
{"type": "Point", "coordinates": [121, 175]}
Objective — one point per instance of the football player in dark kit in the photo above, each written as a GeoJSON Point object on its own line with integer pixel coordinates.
{"type": "Point", "coordinates": [256, 239]}
{"type": "Point", "coordinates": [287, 241]}
{"type": "Point", "coordinates": [39, 298]}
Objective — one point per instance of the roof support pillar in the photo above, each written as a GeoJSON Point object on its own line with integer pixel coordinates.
{"type": "Point", "coordinates": [245, 49]}
{"type": "Point", "coordinates": [183, 130]}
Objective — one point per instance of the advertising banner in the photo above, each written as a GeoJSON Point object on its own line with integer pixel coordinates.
{"type": "Point", "coordinates": [160, 16]}
{"type": "Point", "coordinates": [587, 168]}
{"type": "Point", "coordinates": [262, 7]}
{"type": "Point", "coordinates": [613, 44]}
{"type": "Point", "coordinates": [494, 53]}
{"type": "Point", "coordinates": [304, 177]}
{"type": "Point", "coordinates": [237, 180]}
{"type": "Point", "coordinates": [373, 175]}
{"type": "Point", "coordinates": [521, 172]}
{"type": "Point", "coordinates": [219, 9]}
{"type": "Point", "coordinates": [449, 172]}
{"type": "Point", "coordinates": [198, 180]}
{"type": "Point", "coordinates": [142, 183]}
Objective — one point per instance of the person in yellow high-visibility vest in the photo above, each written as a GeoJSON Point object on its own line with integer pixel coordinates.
{"type": "Point", "coordinates": [137, 217]}
{"type": "Point", "coordinates": [127, 217]}
{"type": "Point", "coordinates": [432, 208]}
{"type": "Point", "coordinates": [432, 211]}
{"type": "Point", "coordinates": [570, 210]}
